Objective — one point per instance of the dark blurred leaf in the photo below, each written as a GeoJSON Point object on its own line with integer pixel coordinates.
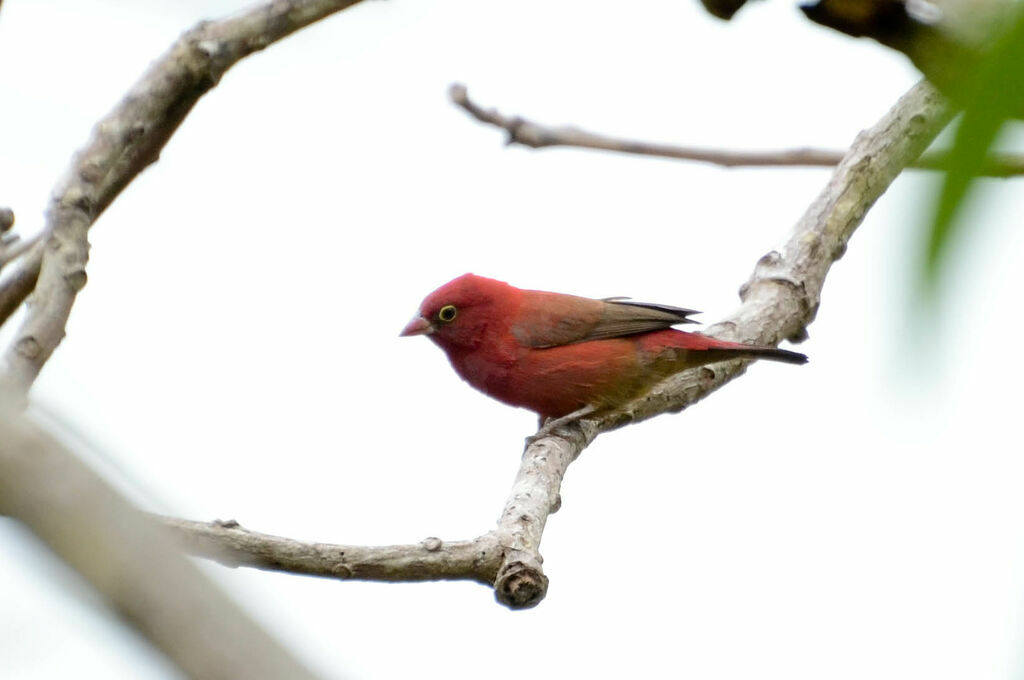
{"type": "Point", "coordinates": [723, 9]}
{"type": "Point", "coordinates": [994, 94]}
{"type": "Point", "coordinates": [944, 59]}
{"type": "Point", "coordinates": [878, 19]}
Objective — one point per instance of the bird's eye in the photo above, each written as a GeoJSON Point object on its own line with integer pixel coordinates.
{"type": "Point", "coordinates": [447, 313]}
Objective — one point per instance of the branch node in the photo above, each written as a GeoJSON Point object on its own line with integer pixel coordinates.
{"type": "Point", "coordinates": [76, 198]}
{"type": "Point", "coordinates": [208, 47]}
{"type": "Point", "coordinates": [773, 268]}
{"type": "Point", "coordinates": [770, 259]}
{"type": "Point", "coordinates": [28, 347]}
{"type": "Point", "coordinates": [76, 279]}
{"type": "Point", "coordinates": [90, 172]}
{"type": "Point", "coordinates": [135, 132]}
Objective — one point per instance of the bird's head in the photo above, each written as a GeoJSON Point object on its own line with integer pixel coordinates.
{"type": "Point", "coordinates": [457, 315]}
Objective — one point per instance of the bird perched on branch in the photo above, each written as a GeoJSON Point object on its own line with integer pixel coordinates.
{"type": "Point", "coordinates": [563, 355]}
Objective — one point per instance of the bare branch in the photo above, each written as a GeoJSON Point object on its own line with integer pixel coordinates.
{"type": "Point", "coordinates": [782, 296]}
{"type": "Point", "coordinates": [122, 146]}
{"type": "Point", "coordinates": [507, 558]}
{"type": "Point", "coordinates": [535, 495]}
{"type": "Point", "coordinates": [126, 557]}
{"type": "Point", "coordinates": [430, 560]}
{"type": "Point", "coordinates": [779, 301]}
{"type": "Point", "coordinates": [537, 136]}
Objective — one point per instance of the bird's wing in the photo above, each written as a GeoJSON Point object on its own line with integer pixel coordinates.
{"type": "Point", "coordinates": [552, 319]}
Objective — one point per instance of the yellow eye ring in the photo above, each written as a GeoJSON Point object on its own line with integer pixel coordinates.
{"type": "Point", "coordinates": [447, 313]}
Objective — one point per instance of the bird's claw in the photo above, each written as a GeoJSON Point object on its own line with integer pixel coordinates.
{"type": "Point", "coordinates": [552, 424]}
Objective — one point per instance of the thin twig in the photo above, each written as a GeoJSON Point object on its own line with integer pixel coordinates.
{"type": "Point", "coordinates": [779, 301]}
{"type": "Point", "coordinates": [123, 144]}
{"type": "Point", "coordinates": [537, 136]}
{"type": "Point", "coordinates": [432, 559]}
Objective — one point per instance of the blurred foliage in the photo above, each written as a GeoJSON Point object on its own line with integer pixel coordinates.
{"type": "Point", "coordinates": [991, 94]}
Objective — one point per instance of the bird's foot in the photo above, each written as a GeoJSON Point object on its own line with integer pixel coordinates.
{"type": "Point", "coordinates": [552, 424]}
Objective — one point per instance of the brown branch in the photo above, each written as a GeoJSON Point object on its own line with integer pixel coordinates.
{"type": "Point", "coordinates": [123, 144]}
{"type": "Point", "coordinates": [779, 301]}
{"type": "Point", "coordinates": [537, 136]}
{"type": "Point", "coordinates": [130, 562]}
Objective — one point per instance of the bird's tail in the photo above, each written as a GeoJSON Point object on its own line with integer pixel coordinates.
{"type": "Point", "coordinates": [770, 353]}
{"type": "Point", "coordinates": [709, 350]}
{"type": "Point", "coordinates": [682, 350]}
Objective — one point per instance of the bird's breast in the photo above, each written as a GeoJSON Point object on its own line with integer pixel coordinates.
{"type": "Point", "coordinates": [486, 371]}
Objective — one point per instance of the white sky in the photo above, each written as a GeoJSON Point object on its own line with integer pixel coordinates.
{"type": "Point", "coordinates": [235, 354]}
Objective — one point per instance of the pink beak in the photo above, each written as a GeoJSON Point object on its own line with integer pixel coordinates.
{"type": "Point", "coordinates": [418, 326]}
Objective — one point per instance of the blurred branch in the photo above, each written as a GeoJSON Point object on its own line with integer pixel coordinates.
{"type": "Point", "coordinates": [12, 246]}
{"type": "Point", "coordinates": [122, 553]}
{"type": "Point", "coordinates": [537, 136]}
{"type": "Point", "coordinates": [14, 288]}
{"type": "Point", "coordinates": [779, 301]}
{"type": "Point", "coordinates": [16, 247]}
{"type": "Point", "coordinates": [123, 144]}
{"type": "Point", "coordinates": [130, 561]}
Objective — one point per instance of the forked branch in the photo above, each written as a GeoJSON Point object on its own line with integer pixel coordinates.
{"type": "Point", "coordinates": [123, 144]}
{"type": "Point", "coordinates": [778, 302]}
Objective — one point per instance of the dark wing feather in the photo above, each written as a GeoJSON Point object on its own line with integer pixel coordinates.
{"type": "Point", "coordinates": [629, 318]}
{"type": "Point", "coordinates": [680, 314]}
{"type": "Point", "coordinates": [555, 319]}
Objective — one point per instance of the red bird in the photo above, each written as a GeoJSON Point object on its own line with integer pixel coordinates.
{"type": "Point", "coordinates": [560, 354]}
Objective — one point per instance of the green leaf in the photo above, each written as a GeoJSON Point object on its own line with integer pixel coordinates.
{"type": "Point", "coordinates": [994, 94]}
